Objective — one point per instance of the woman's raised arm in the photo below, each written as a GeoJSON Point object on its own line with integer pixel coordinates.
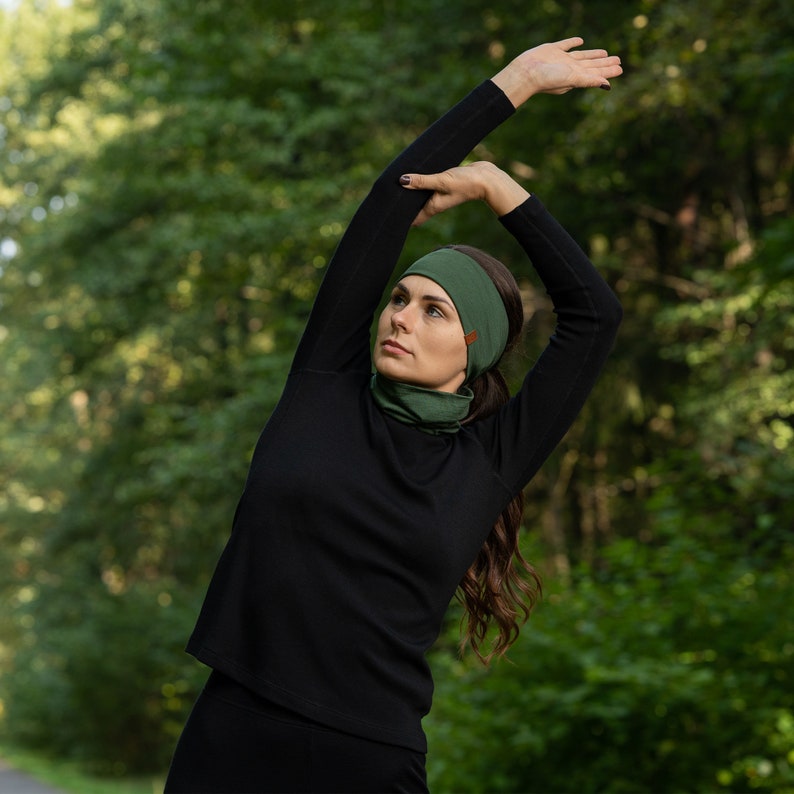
{"type": "Point", "coordinates": [337, 335]}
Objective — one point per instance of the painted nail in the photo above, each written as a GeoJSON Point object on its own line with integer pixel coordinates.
{"type": "Point", "coordinates": [606, 86]}
{"type": "Point", "coordinates": [405, 180]}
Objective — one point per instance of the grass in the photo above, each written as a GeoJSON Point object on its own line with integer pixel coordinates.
{"type": "Point", "coordinates": [68, 776]}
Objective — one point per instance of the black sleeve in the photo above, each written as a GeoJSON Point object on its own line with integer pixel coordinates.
{"type": "Point", "coordinates": [523, 434]}
{"type": "Point", "coordinates": [337, 336]}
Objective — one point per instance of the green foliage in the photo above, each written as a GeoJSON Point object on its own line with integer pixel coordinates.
{"type": "Point", "coordinates": [664, 668]}
{"type": "Point", "coordinates": [738, 408]}
{"type": "Point", "coordinates": [117, 660]}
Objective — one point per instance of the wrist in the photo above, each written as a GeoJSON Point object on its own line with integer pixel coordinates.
{"type": "Point", "coordinates": [501, 192]}
{"type": "Point", "coordinates": [517, 82]}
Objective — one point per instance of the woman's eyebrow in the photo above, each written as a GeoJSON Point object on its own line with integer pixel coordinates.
{"type": "Point", "coordinates": [429, 297]}
{"type": "Point", "coordinates": [438, 299]}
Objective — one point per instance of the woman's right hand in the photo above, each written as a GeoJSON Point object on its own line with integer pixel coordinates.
{"type": "Point", "coordinates": [556, 68]}
{"type": "Point", "coordinates": [480, 181]}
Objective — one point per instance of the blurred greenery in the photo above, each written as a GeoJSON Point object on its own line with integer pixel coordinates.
{"type": "Point", "coordinates": [175, 177]}
{"type": "Point", "coordinates": [665, 667]}
{"type": "Point", "coordinates": [69, 776]}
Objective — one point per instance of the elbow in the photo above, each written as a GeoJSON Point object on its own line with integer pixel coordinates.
{"type": "Point", "coordinates": [610, 316]}
{"type": "Point", "coordinates": [614, 313]}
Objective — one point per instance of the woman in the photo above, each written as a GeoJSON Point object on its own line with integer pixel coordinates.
{"type": "Point", "coordinates": [369, 500]}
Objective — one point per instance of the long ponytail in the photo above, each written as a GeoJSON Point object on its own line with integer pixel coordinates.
{"type": "Point", "coordinates": [500, 587]}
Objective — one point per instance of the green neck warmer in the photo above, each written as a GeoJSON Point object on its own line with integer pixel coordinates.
{"type": "Point", "coordinates": [431, 411]}
{"type": "Point", "coordinates": [484, 320]}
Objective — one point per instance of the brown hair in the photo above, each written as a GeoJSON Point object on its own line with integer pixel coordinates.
{"type": "Point", "coordinates": [500, 587]}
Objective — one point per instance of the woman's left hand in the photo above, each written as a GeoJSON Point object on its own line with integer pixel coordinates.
{"type": "Point", "coordinates": [480, 181]}
{"type": "Point", "coordinates": [556, 68]}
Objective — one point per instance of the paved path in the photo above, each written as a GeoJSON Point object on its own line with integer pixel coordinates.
{"type": "Point", "coordinates": [14, 782]}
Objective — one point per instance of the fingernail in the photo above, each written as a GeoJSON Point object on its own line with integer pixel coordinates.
{"type": "Point", "coordinates": [405, 180]}
{"type": "Point", "coordinates": [606, 86]}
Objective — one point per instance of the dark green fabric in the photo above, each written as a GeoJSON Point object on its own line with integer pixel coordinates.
{"type": "Point", "coordinates": [429, 410]}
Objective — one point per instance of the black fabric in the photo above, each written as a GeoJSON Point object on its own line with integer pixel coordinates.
{"type": "Point", "coordinates": [237, 743]}
{"type": "Point", "coordinates": [353, 529]}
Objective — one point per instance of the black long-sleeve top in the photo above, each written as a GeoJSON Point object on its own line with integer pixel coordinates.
{"type": "Point", "coordinates": [354, 530]}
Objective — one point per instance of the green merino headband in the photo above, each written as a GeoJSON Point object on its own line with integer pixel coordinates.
{"type": "Point", "coordinates": [479, 305]}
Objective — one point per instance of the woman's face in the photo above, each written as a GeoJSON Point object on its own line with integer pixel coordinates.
{"type": "Point", "coordinates": [420, 337]}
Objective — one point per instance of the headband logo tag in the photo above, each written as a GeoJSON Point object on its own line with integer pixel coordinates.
{"type": "Point", "coordinates": [470, 337]}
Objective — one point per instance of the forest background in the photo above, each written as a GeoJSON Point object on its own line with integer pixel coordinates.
{"type": "Point", "coordinates": [175, 175]}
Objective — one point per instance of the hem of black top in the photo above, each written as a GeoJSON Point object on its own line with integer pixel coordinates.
{"type": "Point", "coordinates": [307, 708]}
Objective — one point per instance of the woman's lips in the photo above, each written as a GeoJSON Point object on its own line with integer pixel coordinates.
{"type": "Point", "coordinates": [391, 346]}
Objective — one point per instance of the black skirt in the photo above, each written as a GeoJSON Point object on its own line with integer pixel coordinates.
{"type": "Point", "coordinates": [236, 742]}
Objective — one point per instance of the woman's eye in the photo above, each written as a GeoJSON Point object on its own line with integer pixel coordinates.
{"type": "Point", "coordinates": [397, 300]}
{"type": "Point", "coordinates": [434, 311]}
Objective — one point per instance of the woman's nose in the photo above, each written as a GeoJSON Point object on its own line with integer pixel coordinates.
{"type": "Point", "coordinates": [401, 319]}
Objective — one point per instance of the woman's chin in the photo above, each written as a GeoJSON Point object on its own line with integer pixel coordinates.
{"type": "Point", "coordinates": [390, 369]}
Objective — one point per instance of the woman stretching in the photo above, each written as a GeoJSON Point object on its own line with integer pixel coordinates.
{"type": "Point", "coordinates": [371, 500]}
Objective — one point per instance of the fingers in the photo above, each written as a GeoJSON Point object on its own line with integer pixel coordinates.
{"type": "Point", "coordinates": [597, 67]}
{"type": "Point", "coordinates": [456, 185]}
{"type": "Point", "coordinates": [581, 55]}
{"type": "Point", "coordinates": [411, 181]}
{"type": "Point", "coordinates": [421, 181]}
{"type": "Point", "coordinates": [610, 68]}
{"type": "Point", "coordinates": [602, 63]}
{"type": "Point", "coordinates": [595, 58]}
{"type": "Point", "coordinates": [607, 65]}
{"type": "Point", "coordinates": [588, 55]}
{"type": "Point", "coordinates": [421, 218]}
{"type": "Point", "coordinates": [569, 44]}
{"type": "Point", "coordinates": [429, 182]}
